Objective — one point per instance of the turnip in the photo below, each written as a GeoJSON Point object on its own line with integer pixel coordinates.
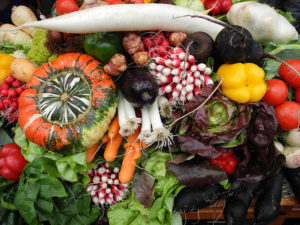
{"type": "Point", "coordinates": [263, 22]}
{"type": "Point", "coordinates": [293, 138]}
{"type": "Point", "coordinates": [292, 155]}
{"type": "Point", "coordinates": [130, 17]}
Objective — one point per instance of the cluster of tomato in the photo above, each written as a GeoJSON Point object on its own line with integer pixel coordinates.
{"type": "Point", "coordinates": [287, 110]}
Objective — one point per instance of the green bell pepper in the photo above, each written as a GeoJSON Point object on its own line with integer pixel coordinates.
{"type": "Point", "coordinates": [103, 45]}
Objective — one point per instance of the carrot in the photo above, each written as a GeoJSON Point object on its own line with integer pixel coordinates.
{"type": "Point", "coordinates": [134, 137]}
{"type": "Point", "coordinates": [127, 145]}
{"type": "Point", "coordinates": [104, 139]}
{"type": "Point", "coordinates": [113, 128]}
{"type": "Point", "coordinates": [137, 151]}
{"type": "Point", "coordinates": [112, 148]}
{"type": "Point", "coordinates": [128, 166]}
{"type": "Point", "coordinates": [91, 152]}
{"type": "Point", "coordinates": [144, 144]}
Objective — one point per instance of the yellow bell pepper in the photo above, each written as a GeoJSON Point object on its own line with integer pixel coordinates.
{"type": "Point", "coordinates": [242, 82]}
{"type": "Point", "coordinates": [5, 62]}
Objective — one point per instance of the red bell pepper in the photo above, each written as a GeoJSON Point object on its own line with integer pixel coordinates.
{"type": "Point", "coordinates": [218, 7]}
{"type": "Point", "coordinates": [226, 161]}
{"type": "Point", "coordinates": [12, 162]}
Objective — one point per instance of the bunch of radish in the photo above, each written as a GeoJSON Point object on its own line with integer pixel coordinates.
{"type": "Point", "coordinates": [10, 91]}
{"type": "Point", "coordinates": [179, 77]}
{"type": "Point", "coordinates": [104, 187]}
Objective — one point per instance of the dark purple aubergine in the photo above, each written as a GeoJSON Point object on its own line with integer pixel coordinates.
{"type": "Point", "coordinates": [138, 86]}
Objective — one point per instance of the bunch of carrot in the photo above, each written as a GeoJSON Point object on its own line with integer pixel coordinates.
{"type": "Point", "coordinates": [113, 142]}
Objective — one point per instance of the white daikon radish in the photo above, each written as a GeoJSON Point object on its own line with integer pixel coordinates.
{"type": "Point", "coordinates": [130, 17]}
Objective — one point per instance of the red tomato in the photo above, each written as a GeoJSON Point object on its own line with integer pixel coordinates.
{"type": "Point", "coordinates": [277, 92]}
{"type": "Point", "coordinates": [288, 114]}
{"type": "Point", "coordinates": [114, 2]}
{"type": "Point", "coordinates": [297, 94]}
{"type": "Point", "coordinates": [66, 6]}
{"type": "Point", "coordinates": [288, 74]}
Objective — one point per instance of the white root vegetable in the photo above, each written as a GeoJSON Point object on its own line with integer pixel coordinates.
{"type": "Point", "coordinates": [293, 138]}
{"type": "Point", "coordinates": [128, 121]}
{"type": "Point", "coordinates": [21, 15]}
{"type": "Point", "coordinates": [262, 21]}
{"type": "Point", "coordinates": [13, 36]}
{"type": "Point", "coordinates": [165, 107]}
{"type": "Point", "coordinates": [292, 155]}
{"type": "Point", "coordinates": [130, 17]}
{"type": "Point", "coordinates": [123, 119]}
{"type": "Point", "coordinates": [159, 133]}
{"type": "Point", "coordinates": [146, 124]}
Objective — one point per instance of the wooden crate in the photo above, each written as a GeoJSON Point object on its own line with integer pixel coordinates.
{"type": "Point", "coordinates": [289, 209]}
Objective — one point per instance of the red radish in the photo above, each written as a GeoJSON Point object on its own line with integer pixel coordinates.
{"type": "Point", "coordinates": [9, 79]}
{"type": "Point", "coordinates": [5, 86]}
{"type": "Point", "coordinates": [157, 39]}
{"type": "Point", "coordinates": [14, 105]}
{"type": "Point", "coordinates": [16, 84]}
{"type": "Point", "coordinates": [105, 187]}
{"type": "Point", "coordinates": [2, 106]}
{"type": "Point", "coordinates": [6, 102]}
{"type": "Point", "coordinates": [96, 179]}
{"type": "Point", "coordinates": [12, 93]}
{"type": "Point", "coordinates": [4, 92]}
{"type": "Point", "coordinates": [148, 43]}
{"type": "Point", "coordinates": [19, 91]}
{"type": "Point", "coordinates": [165, 43]}
{"type": "Point", "coordinates": [161, 50]}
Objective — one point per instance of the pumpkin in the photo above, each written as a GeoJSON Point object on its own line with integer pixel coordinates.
{"type": "Point", "coordinates": [68, 103]}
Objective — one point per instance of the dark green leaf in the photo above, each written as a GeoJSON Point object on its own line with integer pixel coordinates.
{"type": "Point", "coordinates": [4, 137]}
{"type": "Point", "coordinates": [51, 187]}
{"type": "Point", "coordinates": [44, 209]}
{"type": "Point", "coordinates": [24, 201]}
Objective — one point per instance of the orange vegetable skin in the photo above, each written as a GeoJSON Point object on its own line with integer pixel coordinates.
{"type": "Point", "coordinates": [128, 166]}
{"type": "Point", "coordinates": [112, 148]}
{"type": "Point", "coordinates": [114, 128]}
{"type": "Point", "coordinates": [137, 151]}
{"type": "Point", "coordinates": [104, 139]}
{"type": "Point", "coordinates": [91, 152]}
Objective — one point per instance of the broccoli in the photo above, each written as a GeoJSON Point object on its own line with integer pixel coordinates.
{"type": "Point", "coordinates": [39, 52]}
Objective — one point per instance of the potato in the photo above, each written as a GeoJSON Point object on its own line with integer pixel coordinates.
{"type": "Point", "coordinates": [22, 69]}
{"type": "Point", "coordinates": [13, 36]}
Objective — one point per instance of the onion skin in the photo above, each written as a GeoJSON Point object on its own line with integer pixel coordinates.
{"type": "Point", "coordinates": [293, 138]}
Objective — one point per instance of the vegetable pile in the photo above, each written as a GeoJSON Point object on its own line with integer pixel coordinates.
{"type": "Point", "coordinates": [134, 112]}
